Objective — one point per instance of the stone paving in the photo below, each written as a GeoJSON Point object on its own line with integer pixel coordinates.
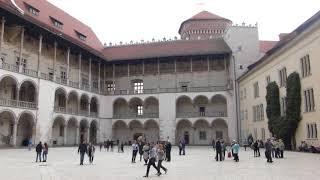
{"type": "Point", "coordinates": [63, 164]}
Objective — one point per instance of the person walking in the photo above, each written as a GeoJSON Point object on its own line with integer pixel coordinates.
{"type": "Point", "coordinates": [182, 146]}
{"type": "Point", "coordinates": [152, 159]}
{"type": "Point", "coordinates": [122, 146]}
{"type": "Point", "coordinates": [235, 150]}
{"type": "Point", "coordinates": [39, 151]}
{"type": "Point", "coordinates": [82, 150]}
{"type": "Point", "coordinates": [223, 149]}
{"type": "Point", "coordinates": [168, 151]}
{"type": "Point", "coordinates": [146, 149]}
{"type": "Point", "coordinates": [140, 147]}
{"type": "Point", "coordinates": [213, 144]}
{"type": "Point", "coordinates": [45, 152]}
{"type": "Point", "coordinates": [218, 151]}
{"type": "Point", "coordinates": [29, 144]}
{"type": "Point", "coordinates": [91, 150]}
{"type": "Point", "coordinates": [161, 157]}
{"type": "Point", "coordinates": [135, 149]}
{"type": "Point", "coordinates": [111, 145]}
{"type": "Point", "coordinates": [256, 151]}
{"type": "Point", "coordinates": [108, 144]}
{"type": "Point", "coordinates": [268, 146]}
{"type": "Point", "coordinates": [281, 147]}
{"type": "Point", "coordinates": [101, 146]}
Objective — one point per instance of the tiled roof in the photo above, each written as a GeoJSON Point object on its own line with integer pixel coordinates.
{"type": "Point", "coordinates": [265, 46]}
{"type": "Point", "coordinates": [70, 25]}
{"type": "Point", "coordinates": [165, 49]}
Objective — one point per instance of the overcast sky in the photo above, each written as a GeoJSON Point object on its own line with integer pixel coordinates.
{"type": "Point", "coordinates": [125, 20]}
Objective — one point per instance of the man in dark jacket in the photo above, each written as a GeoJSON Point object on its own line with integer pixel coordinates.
{"type": "Point", "coordinates": [218, 150]}
{"type": "Point", "coordinates": [39, 151]}
{"type": "Point", "coordinates": [82, 150]}
{"type": "Point", "coordinates": [268, 147]}
{"type": "Point", "coordinates": [168, 151]}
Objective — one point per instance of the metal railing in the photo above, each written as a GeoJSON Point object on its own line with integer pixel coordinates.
{"type": "Point", "coordinates": [61, 81]}
{"type": "Point", "coordinates": [135, 115]}
{"type": "Point", "coordinates": [72, 111]}
{"type": "Point", "coordinates": [9, 67]}
{"type": "Point", "coordinates": [200, 114]}
{"type": "Point", "coordinates": [84, 112]}
{"type": "Point", "coordinates": [60, 109]}
{"type": "Point", "coordinates": [74, 84]}
{"type": "Point", "coordinates": [93, 114]}
{"type": "Point", "coordinates": [85, 87]}
{"type": "Point", "coordinates": [18, 104]}
{"type": "Point", "coordinates": [30, 72]}
{"type": "Point", "coordinates": [46, 76]}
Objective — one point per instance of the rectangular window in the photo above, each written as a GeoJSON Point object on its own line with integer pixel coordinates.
{"type": "Point", "coordinates": [33, 11]}
{"type": "Point", "coordinates": [63, 73]}
{"type": "Point", "coordinates": [110, 86]}
{"type": "Point", "coordinates": [202, 135]}
{"type": "Point", "coordinates": [283, 77]}
{"type": "Point", "coordinates": [309, 100]}
{"type": "Point", "coordinates": [256, 89]}
{"type": "Point", "coordinates": [81, 36]}
{"type": "Point", "coordinates": [305, 66]}
{"type": "Point", "coordinates": [56, 23]}
{"type": "Point", "coordinates": [262, 112]}
{"type": "Point", "coordinates": [23, 62]}
{"type": "Point", "coordinates": [308, 131]}
{"type": "Point", "coordinates": [202, 111]}
{"type": "Point", "coordinates": [268, 80]}
{"type": "Point", "coordinates": [244, 93]}
{"type": "Point", "coordinates": [140, 110]}
{"type": "Point", "coordinates": [138, 87]}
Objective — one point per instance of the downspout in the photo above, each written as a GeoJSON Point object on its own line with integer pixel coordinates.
{"type": "Point", "coordinates": [17, 7]}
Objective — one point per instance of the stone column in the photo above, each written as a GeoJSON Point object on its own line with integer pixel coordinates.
{"type": "Point", "coordinates": [89, 110]}
{"type": "Point", "coordinates": [99, 83]}
{"type": "Point", "coordinates": [2, 32]}
{"type": "Point", "coordinates": [88, 134]}
{"type": "Point", "coordinates": [65, 135]}
{"type": "Point", "coordinates": [39, 54]}
{"type": "Point", "coordinates": [21, 49]}
{"type": "Point", "coordinates": [191, 64]}
{"type": "Point", "coordinates": [68, 64]}
{"type": "Point", "coordinates": [54, 60]}
{"type": "Point", "coordinates": [79, 75]}
{"type": "Point", "coordinates": [208, 63]}
{"type": "Point", "coordinates": [77, 135]}
{"type": "Point", "coordinates": [90, 75]}
{"type": "Point", "coordinates": [14, 134]}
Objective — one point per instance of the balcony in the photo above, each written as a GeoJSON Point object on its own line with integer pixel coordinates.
{"type": "Point", "coordinates": [60, 109]}
{"type": "Point", "coordinates": [18, 104]}
{"type": "Point", "coordinates": [74, 84]}
{"type": "Point", "coordinates": [135, 116]}
{"type": "Point", "coordinates": [85, 86]}
{"type": "Point", "coordinates": [93, 114]}
{"type": "Point", "coordinates": [200, 114]}
{"type": "Point", "coordinates": [9, 67]}
{"type": "Point", "coordinates": [61, 81]}
{"type": "Point", "coordinates": [30, 72]}
{"type": "Point", "coordinates": [84, 113]}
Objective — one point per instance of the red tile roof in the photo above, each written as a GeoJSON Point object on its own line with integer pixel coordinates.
{"type": "Point", "coordinates": [265, 46]}
{"type": "Point", "coordinates": [166, 49]}
{"type": "Point", "coordinates": [70, 24]}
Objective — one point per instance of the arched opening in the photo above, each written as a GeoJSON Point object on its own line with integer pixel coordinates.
{"type": "Point", "coordinates": [73, 103]}
{"type": "Point", "coordinates": [136, 129]}
{"type": "Point", "coordinates": [60, 100]}
{"type": "Point", "coordinates": [7, 121]}
{"type": "Point", "coordinates": [72, 131]}
{"type": "Point", "coordinates": [84, 105]}
{"type": "Point", "coordinates": [8, 88]}
{"type": "Point", "coordinates": [94, 107]}
{"type": "Point", "coordinates": [121, 132]}
{"type": "Point", "coordinates": [120, 108]}
{"type": "Point", "coordinates": [220, 130]}
{"type": "Point", "coordinates": [136, 107]}
{"type": "Point", "coordinates": [202, 132]}
{"type": "Point", "coordinates": [201, 104]}
{"type": "Point", "coordinates": [58, 132]}
{"type": "Point", "coordinates": [93, 132]}
{"type": "Point", "coordinates": [218, 106]}
{"type": "Point", "coordinates": [83, 130]}
{"type": "Point", "coordinates": [151, 131]}
{"type": "Point", "coordinates": [151, 107]}
{"type": "Point", "coordinates": [184, 107]}
{"type": "Point", "coordinates": [184, 131]}
{"type": "Point", "coordinates": [25, 129]}
{"type": "Point", "coordinates": [27, 92]}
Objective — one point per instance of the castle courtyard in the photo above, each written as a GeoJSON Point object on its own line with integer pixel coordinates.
{"type": "Point", "coordinates": [198, 163]}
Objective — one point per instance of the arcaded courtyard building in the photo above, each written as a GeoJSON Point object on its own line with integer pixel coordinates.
{"type": "Point", "coordinates": [60, 84]}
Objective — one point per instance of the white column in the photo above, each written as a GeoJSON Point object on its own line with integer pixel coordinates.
{"type": "Point", "coordinates": [90, 75]}
{"type": "Point", "coordinates": [39, 53]}
{"type": "Point", "coordinates": [54, 60]}
{"type": "Point", "coordinates": [68, 64]}
{"type": "Point", "coordinates": [88, 134]}
{"type": "Point", "coordinates": [77, 135]}
{"type": "Point", "coordinates": [14, 134]}
{"type": "Point", "coordinates": [79, 75]}
{"type": "Point", "coordinates": [21, 48]}
{"type": "Point", "coordinates": [65, 135]}
{"type": "Point", "coordinates": [2, 32]}
{"type": "Point", "coordinates": [99, 71]}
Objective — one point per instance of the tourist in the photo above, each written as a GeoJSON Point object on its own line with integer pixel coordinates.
{"type": "Point", "coordinates": [160, 154]}
{"type": "Point", "coordinates": [111, 145]}
{"type": "Point", "coordinates": [182, 146]}
{"type": "Point", "coordinates": [45, 152]}
{"type": "Point", "coordinates": [140, 147]}
{"type": "Point", "coordinates": [82, 150]}
{"type": "Point", "coordinates": [101, 146]}
{"type": "Point", "coordinates": [223, 149]}
{"type": "Point", "coordinates": [281, 147]}
{"type": "Point", "coordinates": [218, 150]}
{"type": "Point", "coordinates": [213, 144]}
{"type": "Point", "coordinates": [273, 150]}
{"type": "Point", "coordinates": [39, 151]}
{"type": "Point", "coordinates": [91, 150]}
{"type": "Point", "coordinates": [122, 146]}
{"type": "Point", "coordinates": [235, 150]}
{"type": "Point", "coordinates": [135, 149]}
{"type": "Point", "coordinates": [108, 144]}
{"type": "Point", "coordinates": [268, 147]}
{"type": "Point", "coordinates": [145, 150]}
{"type": "Point", "coordinates": [152, 159]}
{"type": "Point", "coordinates": [168, 150]}
{"type": "Point", "coordinates": [105, 145]}
{"type": "Point", "coordinates": [256, 151]}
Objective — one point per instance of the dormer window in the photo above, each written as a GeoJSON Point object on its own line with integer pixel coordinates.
{"type": "Point", "coordinates": [56, 23]}
{"type": "Point", "coordinates": [32, 10]}
{"type": "Point", "coordinates": [81, 36]}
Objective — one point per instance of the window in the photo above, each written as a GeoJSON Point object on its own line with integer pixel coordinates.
{"type": "Point", "coordinates": [263, 134]}
{"type": "Point", "coordinates": [33, 10]}
{"type": "Point", "coordinates": [56, 23]}
{"type": "Point", "coordinates": [110, 86]}
{"type": "Point", "coordinates": [23, 63]}
{"type": "Point", "coordinates": [63, 73]}
{"type": "Point", "coordinates": [137, 86]}
{"type": "Point", "coordinates": [202, 135]}
{"type": "Point", "coordinates": [202, 111]}
{"type": "Point", "coordinates": [283, 77]}
{"type": "Point", "coordinates": [244, 93]}
{"type": "Point", "coordinates": [309, 100]}
{"type": "Point", "coordinates": [61, 131]}
{"type": "Point", "coordinates": [81, 36]}
{"type": "Point", "coordinates": [268, 79]}
{"type": "Point", "coordinates": [258, 112]}
{"type": "Point", "coordinates": [312, 131]}
{"type": "Point", "coordinates": [305, 66]}
{"type": "Point", "coordinates": [140, 110]}
{"type": "Point", "coordinates": [256, 89]}
{"type": "Point", "coordinates": [283, 106]}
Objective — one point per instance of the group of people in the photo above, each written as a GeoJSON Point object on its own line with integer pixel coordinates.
{"type": "Point", "coordinates": [42, 151]}
{"type": "Point", "coordinates": [274, 149]}
{"type": "Point", "coordinates": [221, 149]}
{"type": "Point", "coordinates": [152, 153]}
{"type": "Point", "coordinates": [85, 148]}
